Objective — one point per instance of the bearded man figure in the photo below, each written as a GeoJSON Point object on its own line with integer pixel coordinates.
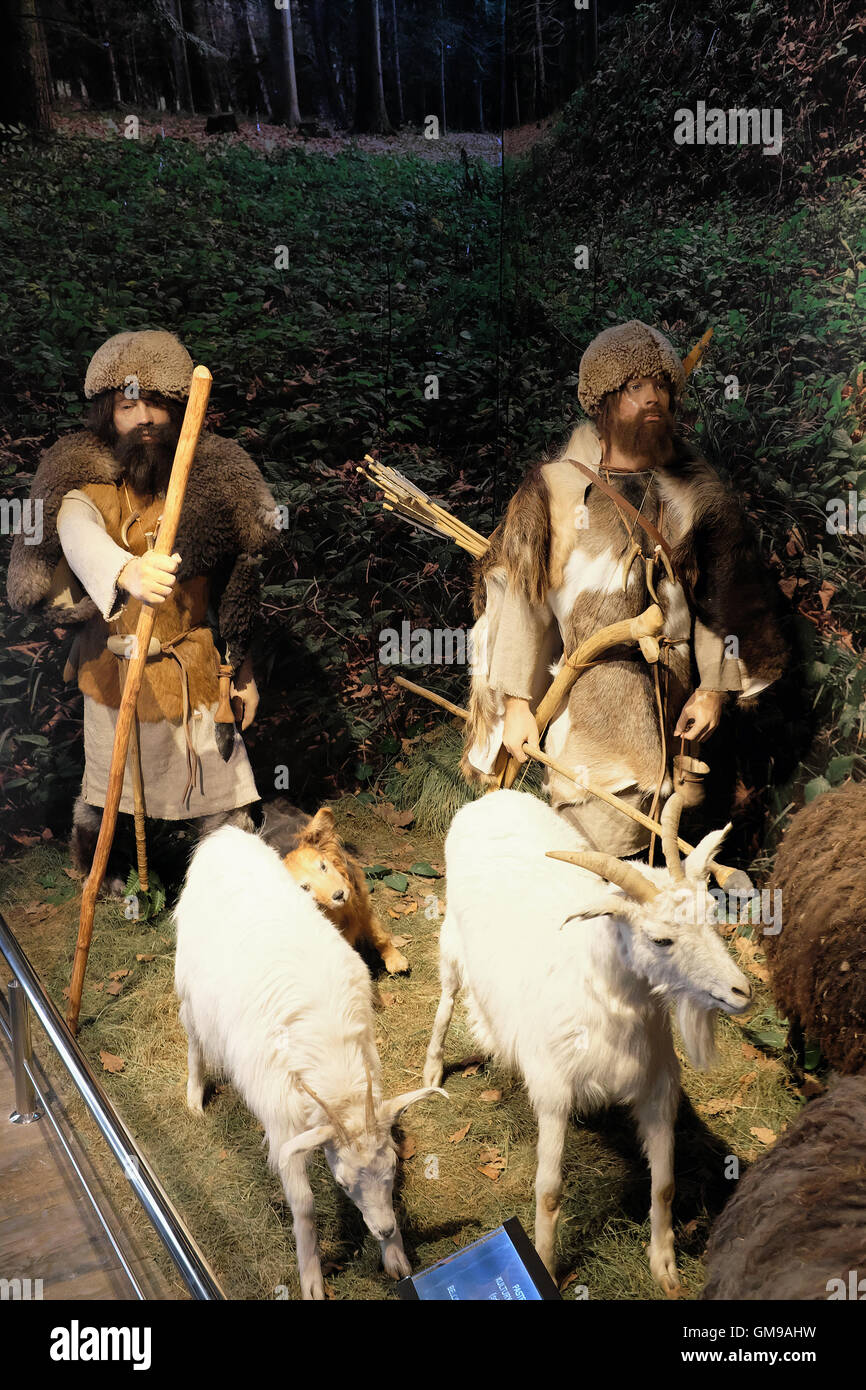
{"type": "Point", "coordinates": [103, 491]}
{"type": "Point", "coordinates": [570, 558]}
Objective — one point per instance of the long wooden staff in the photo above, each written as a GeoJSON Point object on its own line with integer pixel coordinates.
{"type": "Point", "coordinates": [730, 879]}
{"type": "Point", "coordinates": [184, 454]}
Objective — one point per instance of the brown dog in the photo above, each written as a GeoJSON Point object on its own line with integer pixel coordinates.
{"type": "Point", "coordinates": [320, 863]}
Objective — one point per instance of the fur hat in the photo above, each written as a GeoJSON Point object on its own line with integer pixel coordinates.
{"type": "Point", "coordinates": [617, 354]}
{"type": "Point", "coordinates": [157, 358]}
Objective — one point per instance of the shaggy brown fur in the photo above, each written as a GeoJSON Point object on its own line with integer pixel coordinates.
{"type": "Point", "coordinates": [227, 522]}
{"type": "Point", "coordinates": [798, 1217]}
{"type": "Point", "coordinates": [818, 960]}
{"type": "Point", "coordinates": [318, 860]}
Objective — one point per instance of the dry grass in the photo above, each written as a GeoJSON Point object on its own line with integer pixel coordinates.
{"type": "Point", "coordinates": [214, 1168]}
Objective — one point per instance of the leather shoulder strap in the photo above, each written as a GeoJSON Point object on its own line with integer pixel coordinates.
{"type": "Point", "coordinates": [625, 506]}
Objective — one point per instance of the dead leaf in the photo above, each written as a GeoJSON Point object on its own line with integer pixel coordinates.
{"type": "Point", "coordinates": [747, 1078]}
{"type": "Point", "coordinates": [459, 1134]}
{"type": "Point", "coordinates": [690, 1227]}
{"type": "Point", "coordinates": [141, 957]}
{"type": "Point", "coordinates": [387, 999]}
{"type": "Point", "coordinates": [70, 873]}
{"type": "Point", "coordinates": [223, 1153]}
{"type": "Point", "coordinates": [492, 1158]}
{"type": "Point", "coordinates": [825, 593]}
{"type": "Point", "coordinates": [99, 986]}
{"type": "Point", "coordinates": [749, 1051]}
{"type": "Point", "coordinates": [330, 1292]}
{"type": "Point", "coordinates": [766, 1136]}
{"type": "Point", "coordinates": [407, 1148]}
{"type": "Point", "coordinates": [491, 1095]}
{"type": "Point", "coordinates": [489, 1171]}
{"type": "Point", "coordinates": [117, 974]}
{"type": "Point", "coordinates": [111, 1063]}
{"type": "Point", "coordinates": [114, 988]}
{"type": "Point", "coordinates": [392, 912]}
{"type": "Point", "coordinates": [569, 1279]}
{"type": "Point", "coordinates": [400, 940]}
{"type": "Point", "coordinates": [471, 1069]}
{"type": "Point", "coordinates": [331, 1267]}
{"type": "Point", "coordinates": [389, 813]}
{"type": "Point", "coordinates": [717, 1106]}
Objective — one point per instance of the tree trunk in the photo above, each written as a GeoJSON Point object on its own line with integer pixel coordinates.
{"type": "Point", "coordinates": [401, 116]}
{"type": "Point", "coordinates": [267, 110]}
{"type": "Point", "coordinates": [180, 59]}
{"type": "Point", "coordinates": [293, 114]}
{"type": "Point", "coordinates": [201, 63]}
{"type": "Point", "coordinates": [540, 79]}
{"type": "Point", "coordinates": [25, 74]}
{"type": "Point", "coordinates": [332, 98]}
{"type": "Point", "coordinates": [443, 116]}
{"type": "Point", "coordinates": [370, 112]}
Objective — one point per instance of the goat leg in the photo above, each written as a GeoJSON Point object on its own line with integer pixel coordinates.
{"type": "Point", "coordinates": [548, 1182]}
{"type": "Point", "coordinates": [394, 1259]}
{"type": "Point", "coordinates": [299, 1196]}
{"type": "Point", "coordinates": [195, 1069]}
{"type": "Point", "coordinates": [433, 1063]}
{"type": "Point", "coordinates": [655, 1119]}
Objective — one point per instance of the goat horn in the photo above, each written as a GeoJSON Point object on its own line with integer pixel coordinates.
{"type": "Point", "coordinates": [369, 1108]}
{"type": "Point", "coordinates": [338, 1128]}
{"type": "Point", "coordinates": [670, 823]}
{"type": "Point", "coordinates": [625, 876]}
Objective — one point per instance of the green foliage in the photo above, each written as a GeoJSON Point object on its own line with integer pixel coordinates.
{"type": "Point", "coordinates": [145, 905]}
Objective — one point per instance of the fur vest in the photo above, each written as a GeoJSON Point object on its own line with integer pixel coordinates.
{"type": "Point", "coordinates": [227, 523]}
{"type": "Point", "coordinates": [715, 557]}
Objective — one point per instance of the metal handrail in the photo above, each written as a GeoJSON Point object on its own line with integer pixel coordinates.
{"type": "Point", "coordinates": [163, 1216]}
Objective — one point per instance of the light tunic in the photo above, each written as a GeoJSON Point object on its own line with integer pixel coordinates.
{"type": "Point", "coordinates": [97, 561]}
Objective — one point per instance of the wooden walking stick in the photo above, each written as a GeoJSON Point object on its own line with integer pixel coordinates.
{"type": "Point", "coordinates": [184, 454]}
{"type": "Point", "coordinates": [729, 879]}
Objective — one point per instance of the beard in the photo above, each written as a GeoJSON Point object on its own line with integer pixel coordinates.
{"type": "Point", "coordinates": [146, 463]}
{"type": "Point", "coordinates": [651, 441]}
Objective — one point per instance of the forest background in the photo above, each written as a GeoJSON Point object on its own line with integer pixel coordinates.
{"type": "Point", "coordinates": [410, 257]}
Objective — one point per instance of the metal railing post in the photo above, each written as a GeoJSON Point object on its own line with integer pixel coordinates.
{"type": "Point", "coordinates": [26, 1110]}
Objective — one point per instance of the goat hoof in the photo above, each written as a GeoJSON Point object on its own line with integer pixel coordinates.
{"type": "Point", "coordinates": [314, 1290]}
{"type": "Point", "coordinates": [195, 1102]}
{"type": "Point", "coordinates": [432, 1074]}
{"type": "Point", "coordinates": [396, 1264]}
{"type": "Point", "coordinates": [664, 1270]}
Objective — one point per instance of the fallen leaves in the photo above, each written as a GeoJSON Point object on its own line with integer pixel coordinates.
{"type": "Point", "coordinates": [459, 1134]}
{"type": "Point", "coordinates": [143, 957]}
{"type": "Point", "coordinates": [491, 1164]}
{"type": "Point", "coordinates": [471, 1069]}
{"type": "Point", "coordinates": [111, 1063]}
{"type": "Point", "coordinates": [492, 1096]}
{"type": "Point", "coordinates": [765, 1136]}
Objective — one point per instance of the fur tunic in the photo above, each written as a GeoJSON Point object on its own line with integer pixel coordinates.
{"type": "Point", "coordinates": [553, 575]}
{"type": "Point", "coordinates": [228, 520]}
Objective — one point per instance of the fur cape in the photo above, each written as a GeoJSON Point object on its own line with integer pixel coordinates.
{"type": "Point", "coordinates": [227, 523]}
{"type": "Point", "coordinates": [717, 559]}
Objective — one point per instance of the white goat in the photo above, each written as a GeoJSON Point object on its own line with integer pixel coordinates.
{"type": "Point", "coordinates": [275, 999]}
{"type": "Point", "coordinates": [569, 981]}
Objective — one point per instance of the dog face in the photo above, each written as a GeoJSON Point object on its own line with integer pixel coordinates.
{"type": "Point", "coordinates": [320, 874]}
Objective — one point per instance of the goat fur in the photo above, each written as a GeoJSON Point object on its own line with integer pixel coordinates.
{"type": "Point", "coordinates": [272, 997]}
{"type": "Point", "coordinates": [554, 964]}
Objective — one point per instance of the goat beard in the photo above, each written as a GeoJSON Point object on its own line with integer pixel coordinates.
{"type": "Point", "coordinates": [698, 1031]}
{"type": "Point", "coordinates": [650, 441]}
{"type": "Point", "coordinates": [146, 463]}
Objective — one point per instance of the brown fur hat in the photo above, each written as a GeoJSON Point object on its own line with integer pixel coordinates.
{"type": "Point", "coordinates": [617, 354]}
{"type": "Point", "coordinates": [157, 359]}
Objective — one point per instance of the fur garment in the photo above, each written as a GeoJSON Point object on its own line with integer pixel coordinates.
{"type": "Point", "coordinates": [227, 522]}
{"type": "Point", "coordinates": [716, 557]}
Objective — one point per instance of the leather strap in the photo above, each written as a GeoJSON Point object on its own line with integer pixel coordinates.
{"type": "Point", "coordinates": [652, 531]}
